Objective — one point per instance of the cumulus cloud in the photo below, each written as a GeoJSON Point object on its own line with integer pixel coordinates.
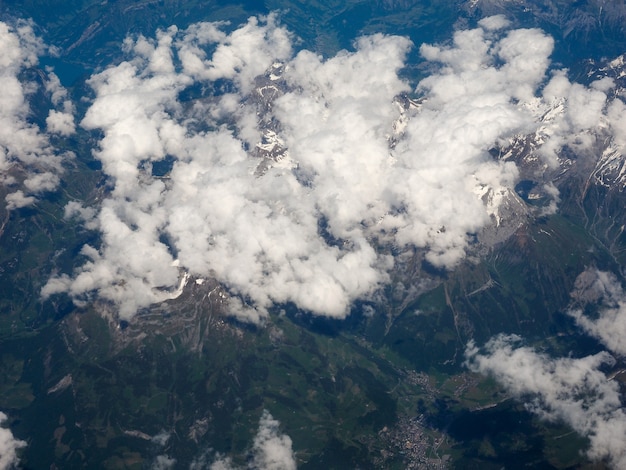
{"type": "Point", "coordinates": [271, 450]}
{"type": "Point", "coordinates": [288, 177]}
{"type": "Point", "coordinates": [240, 56]}
{"type": "Point", "coordinates": [25, 152]}
{"type": "Point", "coordinates": [18, 199]}
{"type": "Point", "coordinates": [59, 121]}
{"type": "Point", "coordinates": [9, 446]}
{"type": "Point", "coordinates": [601, 291]}
{"type": "Point", "coordinates": [569, 390]}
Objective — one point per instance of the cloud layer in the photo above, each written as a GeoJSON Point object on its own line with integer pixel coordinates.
{"type": "Point", "coordinates": [573, 391]}
{"type": "Point", "coordinates": [288, 177]}
{"type": "Point", "coordinates": [29, 165]}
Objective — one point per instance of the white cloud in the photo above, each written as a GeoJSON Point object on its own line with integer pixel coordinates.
{"type": "Point", "coordinates": [163, 462]}
{"type": "Point", "coordinates": [573, 391]}
{"type": "Point", "coordinates": [241, 55]}
{"type": "Point", "coordinates": [586, 116]}
{"type": "Point", "coordinates": [495, 22]}
{"type": "Point", "coordinates": [290, 198]}
{"type": "Point", "coordinates": [162, 438]}
{"type": "Point", "coordinates": [60, 123]}
{"type": "Point", "coordinates": [18, 199]}
{"type": "Point", "coordinates": [24, 149]}
{"type": "Point", "coordinates": [9, 446]}
{"type": "Point", "coordinates": [617, 118]}
{"type": "Point", "coordinates": [271, 450]}
{"type": "Point", "coordinates": [221, 463]}
{"type": "Point", "coordinates": [87, 215]}
{"type": "Point", "coordinates": [609, 325]}
{"type": "Point", "coordinates": [258, 235]}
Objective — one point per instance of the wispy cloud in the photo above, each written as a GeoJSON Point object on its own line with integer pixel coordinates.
{"type": "Point", "coordinates": [602, 294]}
{"type": "Point", "coordinates": [569, 390]}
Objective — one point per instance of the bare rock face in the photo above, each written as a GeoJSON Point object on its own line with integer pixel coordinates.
{"type": "Point", "coordinates": [587, 289]}
{"type": "Point", "coordinates": [394, 5]}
